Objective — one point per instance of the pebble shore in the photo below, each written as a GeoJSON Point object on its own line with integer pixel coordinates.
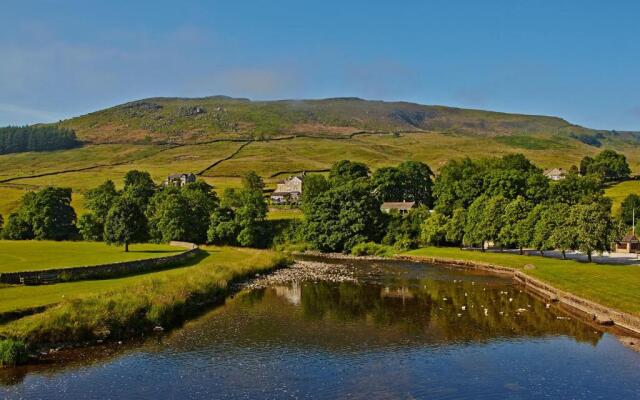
{"type": "Point", "coordinates": [304, 271]}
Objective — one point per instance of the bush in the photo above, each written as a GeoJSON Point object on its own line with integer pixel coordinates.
{"type": "Point", "coordinates": [372, 249]}
{"type": "Point", "coordinates": [12, 353]}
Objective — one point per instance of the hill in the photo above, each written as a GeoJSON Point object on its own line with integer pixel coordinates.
{"type": "Point", "coordinates": [221, 138]}
{"type": "Point", "coordinates": [177, 120]}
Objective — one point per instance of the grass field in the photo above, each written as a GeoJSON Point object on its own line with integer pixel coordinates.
{"type": "Point", "coordinates": [618, 192]}
{"type": "Point", "coordinates": [123, 306]}
{"type": "Point", "coordinates": [29, 255]}
{"type": "Point", "coordinates": [611, 285]}
{"type": "Point", "coordinates": [284, 213]}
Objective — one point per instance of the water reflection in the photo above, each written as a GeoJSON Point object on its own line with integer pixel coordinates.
{"type": "Point", "coordinates": [404, 330]}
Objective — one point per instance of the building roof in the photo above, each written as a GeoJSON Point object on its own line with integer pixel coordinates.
{"type": "Point", "coordinates": [554, 172]}
{"type": "Point", "coordinates": [630, 238]}
{"type": "Point", "coordinates": [398, 205]}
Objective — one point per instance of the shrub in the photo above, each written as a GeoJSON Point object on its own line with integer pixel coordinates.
{"type": "Point", "coordinates": [12, 353]}
{"type": "Point", "coordinates": [371, 249]}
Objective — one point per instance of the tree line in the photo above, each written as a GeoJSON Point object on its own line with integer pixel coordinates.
{"type": "Point", "coordinates": [16, 139]}
{"type": "Point", "coordinates": [143, 211]}
{"type": "Point", "coordinates": [506, 201]}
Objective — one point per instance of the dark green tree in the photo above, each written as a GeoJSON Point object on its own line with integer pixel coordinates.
{"type": "Point", "coordinates": [458, 184]}
{"type": "Point", "coordinates": [345, 171]}
{"type": "Point", "coordinates": [418, 182]}
{"type": "Point", "coordinates": [608, 164]}
{"type": "Point", "coordinates": [100, 199]}
{"type": "Point", "coordinates": [48, 215]}
{"type": "Point", "coordinates": [91, 229]}
{"type": "Point", "coordinates": [314, 185]}
{"type": "Point", "coordinates": [125, 223]}
{"type": "Point", "coordinates": [344, 216]}
{"type": "Point", "coordinates": [139, 187]}
{"type": "Point", "coordinates": [389, 184]}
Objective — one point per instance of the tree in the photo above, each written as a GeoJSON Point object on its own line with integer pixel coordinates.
{"type": "Point", "coordinates": [417, 182]}
{"type": "Point", "coordinates": [550, 218]}
{"type": "Point", "coordinates": [492, 219]}
{"type": "Point", "coordinates": [168, 216]}
{"type": "Point", "coordinates": [90, 228]}
{"type": "Point", "coordinates": [459, 183]}
{"type": "Point", "coordinates": [608, 164]}
{"type": "Point", "coordinates": [574, 189]}
{"type": "Point", "coordinates": [252, 181]}
{"type": "Point", "coordinates": [434, 229]}
{"type": "Point", "coordinates": [455, 227]}
{"type": "Point", "coordinates": [314, 185]}
{"type": "Point", "coordinates": [100, 199]}
{"type": "Point", "coordinates": [139, 187]}
{"type": "Point", "coordinates": [514, 213]}
{"type": "Point", "coordinates": [1, 223]}
{"type": "Point", "coordinates": [594, 226]}
{"type": "Point", "coordinates": [388, 184]}
{"type": "Point", "coordinates": [563, 236]}
{"type": "Point", "coordinates": [345, 171]}
{"type": "Point", "coordinates": [17, 228]}
{"type": "Point", "coordinates": [473, 232]}
{"type": "Point", "coordinates": [125, 223]}
{"type": "Point", "coordinates": [45, 215]}
{"type": "Point", "coordinates": [223, 228]}
{"type": "Point", "coordinates": [585, 165]}
{"type": "Point", "coordinates": [630, 204]}
{"type": "Point", "coordinates": [344, 216]}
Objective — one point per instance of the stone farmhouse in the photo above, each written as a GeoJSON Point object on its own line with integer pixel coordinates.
{"type": "Point", "coordinates": [179, 180]}
{"type": "Point", "coordinates": [289, 191]}
{"type": "Point", "coordinates": [555, 174]}
{"type": "Point", "coordinates": [402, 207]}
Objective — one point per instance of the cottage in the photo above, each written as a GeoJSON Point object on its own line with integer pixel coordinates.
{"type": "Point", "coordinates": [555, 174]}
{"type": "Point", "coordinates": [402, 207]}
{"type": "Point", "coordinates": [628, 244]}
{"type": "Point", "coordinates": [179, 180]}
{"type": "Point", "coordinates": [288, 191]}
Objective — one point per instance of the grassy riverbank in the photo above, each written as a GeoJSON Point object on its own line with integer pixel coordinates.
{"type": "Point", "coordinates": [611, 285]}
{"type": "Point", "coordinates": [29, 255]}
{"type": "Point", "coordinates": [129, 306]}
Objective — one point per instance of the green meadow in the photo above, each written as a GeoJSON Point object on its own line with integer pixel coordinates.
{"type": "Point", "coordinates": [30, 255]}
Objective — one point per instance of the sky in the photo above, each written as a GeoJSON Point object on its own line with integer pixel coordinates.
{"type": "Point", "coordinates": [575, 59]}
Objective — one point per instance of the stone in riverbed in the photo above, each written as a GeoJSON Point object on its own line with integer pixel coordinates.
{"type": "Point", "coordinates": [602, 320]}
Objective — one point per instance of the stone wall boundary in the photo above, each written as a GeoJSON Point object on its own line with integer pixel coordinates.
{"type": "Point", "coordinates": [102, 271]}
{"type": "Point", "coordinates": [598, 313]}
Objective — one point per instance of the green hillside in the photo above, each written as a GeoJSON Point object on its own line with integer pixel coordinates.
{"type": "Point", "coordinates": [175, 120]}
{"type": "Point", "coordinates": [221, 138]}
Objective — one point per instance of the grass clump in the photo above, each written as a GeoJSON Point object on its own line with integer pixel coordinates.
{"type": "Point", "coordinates": [166, 299]}
{"type": "Point", "coordinates": [12, 353]}
{"type": "Point", "coordinates": [372, 249]}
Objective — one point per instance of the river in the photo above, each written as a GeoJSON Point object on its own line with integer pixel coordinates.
{"type": "Point", "coordinates": [394, 329]}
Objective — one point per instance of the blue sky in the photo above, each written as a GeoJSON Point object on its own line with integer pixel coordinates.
{"type": "Point", "coordinates": [575, 59]}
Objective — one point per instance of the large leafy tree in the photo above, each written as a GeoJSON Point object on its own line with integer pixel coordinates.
{"type": "Point", "coordinates": [608, 164]}
{"type": "Point", "coordinates": [99, 201]}
{"type": "Point", "coordinates": [514, 214]}
{"type": "Point", "coordinates": [474, 234]}
{"type": "Point", "coordinates": [575, 188]}
{"type": "Point", "coordinates": [344, 216]}
{"type": "Point", "coordinates": [125, 223]}
{"type": "Point", "coordinates": [434, 229]}
{"type": "Point", "coordinates": [550, 218]}
{"type": "Point", "coordinates": [418, 183]}
{"type": "Point", "coordinates": [389, 184]}
{"type": "Point", "coordinates": [44, 215]}
{"type": "Point", "coordinates": [314, 185]}
{"type": "Point", "coordinates": [139, 187]}
{"type": "Point", "coordinates": [345, 171]}
{"type": "Point", "coordinates": [458, 184]}
{"type": "Point", "coordinates": [455, 227]}
{"type": "Point", "coordinates": [241, 219]}
{"type": "Point", "coordinates": [594, 227]}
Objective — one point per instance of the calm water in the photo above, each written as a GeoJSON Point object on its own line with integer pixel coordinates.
{"type": "Point", "coordinates": [401, 332]}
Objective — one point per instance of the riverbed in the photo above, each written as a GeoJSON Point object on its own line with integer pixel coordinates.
{"type": "Point", "coordinates": [355, 329]}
